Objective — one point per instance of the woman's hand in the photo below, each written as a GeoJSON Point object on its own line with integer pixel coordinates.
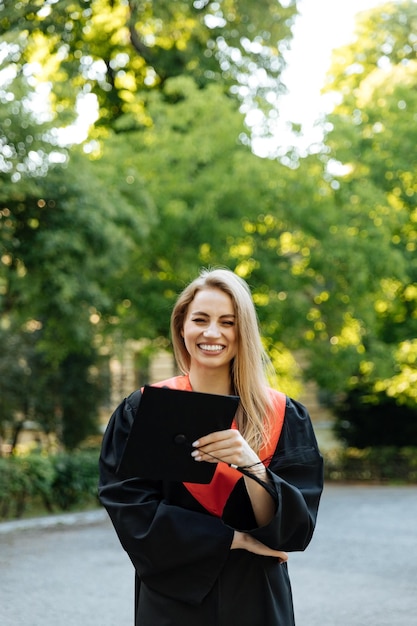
{"type": "Point", "coordinates": [225, 445]}
{"type": "Point", "coordinates": [243, 541]}
{"type": "Point", "coordinates": [230, 447]}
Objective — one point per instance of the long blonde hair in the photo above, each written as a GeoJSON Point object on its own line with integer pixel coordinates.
{"type": "Point", "coordinates": [250, 365]}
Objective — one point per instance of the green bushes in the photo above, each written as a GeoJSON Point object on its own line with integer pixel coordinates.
{"type": "Point", "coordinates": [39, 484]}
{"type": "Point", "coordinates": [379, 464]}
{"type": "Point", "coordinates": [36, 483]}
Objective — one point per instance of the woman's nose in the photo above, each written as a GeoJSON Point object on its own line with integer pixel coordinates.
{"type": "Point", "coordinates": [212, 331]}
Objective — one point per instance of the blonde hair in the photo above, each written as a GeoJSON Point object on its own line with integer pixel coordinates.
{"type": "Point", "coordinates": [250, 365]}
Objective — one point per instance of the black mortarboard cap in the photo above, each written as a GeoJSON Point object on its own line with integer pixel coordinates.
{"type": "Point", "coordinates": [166, 423]}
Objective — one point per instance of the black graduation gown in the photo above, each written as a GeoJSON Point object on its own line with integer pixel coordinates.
{"type": "Point", "coordinates": [186, 574]}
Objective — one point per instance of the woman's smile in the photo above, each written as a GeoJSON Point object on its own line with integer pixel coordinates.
{"type": "Point", "coordinates": [213, 348]}
{"type": "Point", "coordinates": [210, 332]}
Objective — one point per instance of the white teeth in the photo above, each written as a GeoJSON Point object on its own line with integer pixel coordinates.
{"type": "Point", "coordinates": [211, 348]}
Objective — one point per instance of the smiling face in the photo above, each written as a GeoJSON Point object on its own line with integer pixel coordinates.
{"type": "Point", "coordinates": [209, 331]}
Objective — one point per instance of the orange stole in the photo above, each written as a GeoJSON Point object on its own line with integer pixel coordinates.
{"type": "Point", "coordinates": [213, 496]}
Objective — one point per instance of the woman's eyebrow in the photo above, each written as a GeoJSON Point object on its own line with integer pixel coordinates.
{"type": "Point", "coordinates": [207, 315]}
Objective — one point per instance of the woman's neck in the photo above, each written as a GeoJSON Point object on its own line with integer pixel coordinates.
{"type": "Point", "coordinates": [206, 381]}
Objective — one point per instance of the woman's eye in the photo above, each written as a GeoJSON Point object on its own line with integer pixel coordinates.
{"type": "Point", "coordinates": [202, 320]}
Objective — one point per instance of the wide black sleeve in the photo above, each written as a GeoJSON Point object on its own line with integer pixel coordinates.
{"type": "Point", "coordinates": [296, 473]}
{"type": "Point", "coordinates": [175, 551]}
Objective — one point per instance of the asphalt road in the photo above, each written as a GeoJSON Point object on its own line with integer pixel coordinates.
{"type": "Point", "coordinates": [360, 569]}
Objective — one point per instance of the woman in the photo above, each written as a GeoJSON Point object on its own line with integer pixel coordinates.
{"type": "Point", "coordinates": [215, 555]}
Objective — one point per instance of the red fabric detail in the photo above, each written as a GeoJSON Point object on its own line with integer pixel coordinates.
{"type": "Point", "coordinates": [213, 497]}
{"type": "Point", "coordinates": [178, 382]}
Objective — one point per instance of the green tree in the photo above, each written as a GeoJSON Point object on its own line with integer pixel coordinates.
{"type": "Point", "coordinates": [206, 187]}
{"type": "Point", "coordinates": [62, 401]}
{"type": "Point", "coordinates": [65, 241]}
{"type": "Point", "coordinates": [69, 243]}
{"type": "Point", "coordinates": [82, 233]}
{"type": "Point", "coordinates": [121, 49]}
{"type": "Point", "coordinates": [373, 140]}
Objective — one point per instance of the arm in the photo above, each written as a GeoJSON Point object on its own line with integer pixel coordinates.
{"type": "Point", "coordinates": [230, 447]}
{"type": "Point", "coordinates": [244, 541]}
{"type": "Point", "coordinates": [263, 504]}
{"type": "Point", "coordinates": [296, 473]}
{"type": "Point", "coordinates": [294, 476]}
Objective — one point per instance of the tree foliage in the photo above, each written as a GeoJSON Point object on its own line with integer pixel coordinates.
{"type": "Point", "coordinates": [83, 236]}
{"type": "Point", "coordinates": [119, 49]}
{"type": "Point", "coordinates": [97, 242]}
{"type": "Point", "coordinates": [373, 137]}
{"type": "Point", "coordinates": [65, 240]}
{"type": "Point", "coordinates": [61, 401]}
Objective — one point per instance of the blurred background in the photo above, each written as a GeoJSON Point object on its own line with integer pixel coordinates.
{"type": "Point", "coordinates": [141, 141]}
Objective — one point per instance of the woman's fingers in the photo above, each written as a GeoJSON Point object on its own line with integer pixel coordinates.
{"type": "Point", "coordinates": [225, 445]}
{"type": "Point", "coordinates": [217, 437]}
{"type": "Point", "coordinates": [214, 447]}
{"type": "Point", "coordinates": [247, 542]}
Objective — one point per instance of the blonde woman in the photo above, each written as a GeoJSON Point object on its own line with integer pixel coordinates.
{"type": "Point", "coordinates": [215, 554]}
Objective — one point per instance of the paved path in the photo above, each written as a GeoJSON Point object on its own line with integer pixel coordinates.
{"type": "Point", "coordinates": [360, 570]}
{"type": "Point", "coordinates": [361, 567]}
